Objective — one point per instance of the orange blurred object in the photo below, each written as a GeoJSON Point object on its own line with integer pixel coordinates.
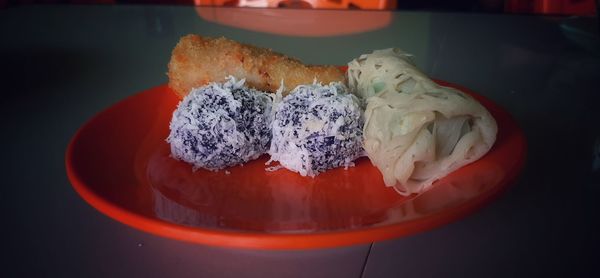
{"type": "Point", "coordinates": [298, 22]}
{"type": "Point", "coordinates": [317, 4]}
{"type": "Point", "coordinates": [562, 7]}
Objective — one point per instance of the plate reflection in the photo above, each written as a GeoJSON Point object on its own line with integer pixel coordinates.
{"type": "Point", "coordinates": [248, 198]}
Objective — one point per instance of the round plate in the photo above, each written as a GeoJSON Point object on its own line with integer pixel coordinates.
{"type": "Point", "coordinates": [119, 163]}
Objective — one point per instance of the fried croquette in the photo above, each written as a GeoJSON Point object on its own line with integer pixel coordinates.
{"type": "Point", "coordinates": [197, 61]}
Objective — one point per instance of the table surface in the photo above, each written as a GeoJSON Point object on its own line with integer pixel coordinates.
{"type": "Point", "coordinates": [60, 65]}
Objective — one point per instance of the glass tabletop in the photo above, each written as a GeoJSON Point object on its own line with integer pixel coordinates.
{"type": "Point", "coordinates": [63, 64]}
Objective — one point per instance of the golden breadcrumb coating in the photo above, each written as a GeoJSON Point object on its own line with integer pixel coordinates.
{"type": "Point", "coordinates": [197, 61]}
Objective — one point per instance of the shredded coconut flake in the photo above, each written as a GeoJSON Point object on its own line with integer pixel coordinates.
{"type": "Point", "coordinates": [317, 127]}
{"type": "Point", "coordinates": [221, 125]}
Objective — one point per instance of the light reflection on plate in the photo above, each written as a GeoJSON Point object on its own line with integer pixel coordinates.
{"type": "Point", "coordinates": [285, 202]}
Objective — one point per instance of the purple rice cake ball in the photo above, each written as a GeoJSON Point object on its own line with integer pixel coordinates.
{"type": "Point", "coordinates": [317, 128]}
{"type": "Point", "coordinates": [221, 125]}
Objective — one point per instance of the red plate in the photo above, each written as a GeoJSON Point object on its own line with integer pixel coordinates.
{"type": "Point", "coordinates": [119, 163]}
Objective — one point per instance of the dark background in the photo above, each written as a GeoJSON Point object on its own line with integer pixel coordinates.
{"type": "Point", "coordinates": [564, 7]}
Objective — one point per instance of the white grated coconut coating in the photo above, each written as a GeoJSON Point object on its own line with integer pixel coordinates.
{"type": "Point", "coordinates": [317, 128]}
{"type": "Point", "coordinates": [221, 125]}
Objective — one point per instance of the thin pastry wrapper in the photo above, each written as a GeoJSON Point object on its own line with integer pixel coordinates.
{"type": "Point", "coordinates": [416, 131]}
